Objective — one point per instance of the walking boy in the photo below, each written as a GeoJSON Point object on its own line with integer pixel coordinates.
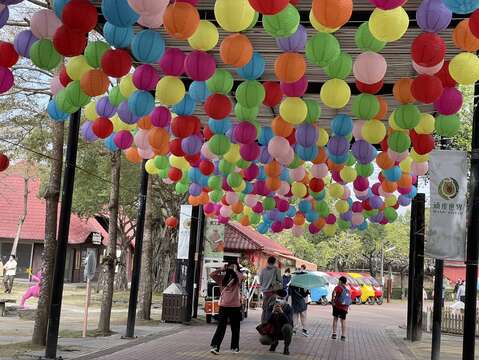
{"type": "Point", "coordinates": [10, 271]}
{"type": "Point", "coordinates": [341, 300]}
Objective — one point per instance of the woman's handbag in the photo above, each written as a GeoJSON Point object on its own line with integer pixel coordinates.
{"type": "Point", "coordinates": [264, 329]}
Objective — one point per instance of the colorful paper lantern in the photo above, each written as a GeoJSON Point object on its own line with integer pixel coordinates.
{"type": "Point", "coordinates": [428, 49]}
{"type": "Point", "coordinates": [254, 69]}
{"type": "Point", "coordinates": [341, 67]}
{"type": "Point", "coordinates": [236, 50]}
{"type": "Point", "coordinates": [9, 54]}
{"type": "Point", "coordinates": [234, 15]}
{"type": "Point", "coordinates": [84, 23]}
{"type": "Point", "coordinates": [450, 101]}
{"type": "Point", "coordinates": [199, 65]}
{"type": "Point", "coordinates": [116, 62]}
{"type": "Point", "coordinates": [335, 93]}
{"type": "Point", "coordinates": [218, 106]}
{"type": "Point", "coordinates": [102, 127]}
{"type": "Point", "coordinates": [366, 41]}
{"type": "Point", "coordinates": [250, 94]}
{"type": "Point", "coordinates": [426, 88]}
{"type": "Point", "coordinates": [388, 25]}
{"type": "Point", "coordinates": [273, 95]}
{"type": "Point", "coordinates": [170, 90]}
{"type": "Point", "coordinates": [407, 116]}
{"type": "Point", "coordinates": [148, 46]}
{"type": "Point", "coordinates": [462, 6]}
{"type": "Point", "coordinates": [119, 13]}
{"type": "Point", "coordinates": [44, 24]}
{"type": "Point", "coordinates": [44, 55]}
{"type": "Point", "coordinates": [365, 106]}
{"type": "Point", "coordinates": [332, 13]}
{"type": "Point", "coordinates": [94, 82]}
{"type": "Point", "coordinates": [447, 126]}
{"type": "Point", "coordinates": [205, 37]}
{"type": "Point", "coordinates": [23, 42]}
{"type": "Point", "coordinates": [433, 16]}
{"type": "Point", "coordinates": [283, 24]}
{"type": "Point", "coordinates": [373, 131]}
{"type": "Point", "coordinates": [6, 79]}
{"type": "Point", "coordinates": [119, 37]}
{"type": "Point", "coordinates": [369, 67]}
{"type": "Point", "coordinates": [464, 68]}
{"type": "Point", "coordinates": [295, 42]}
{"type": "Point", "coordinates": [268, 7]}
{"type": "Point", "coordinates": [293, 110]}
{"type": "Point", "coordinates": [181, 20]}
{"type": "Point", "coordinates": [322, 49]}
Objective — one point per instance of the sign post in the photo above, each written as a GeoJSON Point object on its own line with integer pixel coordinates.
{"type": "Point", "coordinates": [89, 273]}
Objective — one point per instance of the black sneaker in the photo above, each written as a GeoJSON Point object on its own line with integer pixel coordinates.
{"type": "Point", "coordinates": [215, 351]}
{"type": "Point", "coordinates": [305, 333]}
{"type": "Point", "coordinates": [273, 347]}
{"type": "Point", "coordinates": [334, 336]}
{"type": "Point", "coordinates": [286, 350]}
{"type": "Point", "coordinates": [343, 338]}
{"type": "Point", "coordinates": [235, 351]}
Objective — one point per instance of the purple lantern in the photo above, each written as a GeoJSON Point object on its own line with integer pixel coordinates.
{"type": "Point", "coordinates": [126, 115]}
{"type": "Point", "coordinates": [295, 42]}
{"type": "Point", "coordinates": [376, 202]}
{"type": "Point", "coordinates": [433, 16]}
{"type": "Point", "coordinates": [338, 145]}
{"type": "Point", "coordinates": [347, 216]}
{"type": "Point", "coordinates": [404, 200]}
{"type": "Point", "coordinates": [295, 89]}
{"type": "Point", "coordinates": [195, 189]}
{"type": "Point", "coordinates": [145, 77]}
{"type": "Point", "coordinates": [264, 156]}
{"type": "Point", "coordinates": [245, 133]}
{"type": "Point", "coordinates": [4, 14]}
{"type": "Point", "coordinates": [23, 42]}
{"type": "Point", "coordinates": [450, 101]}
{"type": "Point", "coordinates": [172, 62]}
{"type": "Point", "coordinates": [160, 117]}
{"type": "Point", "coordinates": [104, 108]}
{"type": "Point", "coordinates": [123, 139]}
{"type": "Point", "coordinates": [87, 132]}
{"type": "Point", "coordinates": [306, 135]}
{"type": "Point", "coordinates": [363, 151]}
{"type": "Point", "coordinates": [191, 145]}
{"type": "Point", "coordinates": [6, 79]}
{"type": "Point", "coordinates": [249, 152]}
{"type": "Point", "coordinates": [200, 65]}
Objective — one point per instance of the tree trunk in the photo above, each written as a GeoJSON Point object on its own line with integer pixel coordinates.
{"type": "Point", "coordinates": [21, 220]}
{"type": "Point", "coordinates": [146, 280]}
{"type": "Point", "coordinates": [403, 295]}
{"type": "Point", "coordinates": [109, 261]}
{"type": "Point", "coordinates": [51, 196]}
{"type": "Point", "coordinates": [121, 278]}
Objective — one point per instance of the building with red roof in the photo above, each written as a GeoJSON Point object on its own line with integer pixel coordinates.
{"type": "Point", "coordinates": [85, 234]}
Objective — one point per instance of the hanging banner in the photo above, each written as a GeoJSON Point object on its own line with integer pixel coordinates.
{"type": "Point", "coordinates": [214, 240]}
{"type": "Point", "coordinates": [448, 205]}
{"type": "Point", "coordinates": [184, 232]}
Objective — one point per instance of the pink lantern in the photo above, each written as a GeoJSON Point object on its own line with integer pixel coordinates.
{"type": "Point", "coordinates": [151, 21]}
{"type": "Point", "coordinates": [209, 208]}
{"type": "Point", "coordinates": [226, 211]}
{"type": "Point", "coordinates": [288, 158]}
{"type": "Point", "coordinates": [357, 207]}
{"type": "Point", "coordinates": [284, 188]}
{"type": "Point", "coordinates": [44, 23]}
{"type": "Point", "coordinates": [123, 139]}
{"type": "Point", "coordinates": [141, 139]}
{"type": "Point", "coordinates": [361, 183]}
{"type": "Point", "coordinates": [346, 194]}
{"type": "Point", "coordinates": [258, 208]}
{"type": "Point", "coordinates": [298, 230]}
{"type": "Point", "coordinates": [279, 148]}
{"type": "Point", "coordinates": [313, 229]}
{"type": "Point", "coordinates": [250, 200]}
{"type": "Point", "coordinates": [231, 197]}
{"type": "Point", "coordinates": [295, 89]}
{"type": "Point", "coordinates": [250, 152]}
{"type": "Point", "coordinates": [172, 62]}
{"type": "Point", "coordinates": [357, 129]}
{"type": "Point", "coordinates": [145, 77]}
{"type": "Point", "coordinates": [297, 174]}
{"type": "Point", "coordinates": [223, 220]}
{"type": "Point", "coordinates": [357, 218]}
{"type": "Point", "coordinates": [369, 67]}
{"type": "Point", "coordinates": [387, 4]}
{"type": "Point", "coordinates": [200, 65]}
{"type": "Point", "coordinates": [160, 116]}
{"type": "Point", "coordinates": [245, 132]}
{"type": "Point", "coordinates": [205, 151]}
{"type": "Point", "coordinates": [6, 79]}
{"type": "Point", "coordinates": [398, 156]}
{"type": "Point", "coordinates": [319, 170]}
{"type": "Point", "coordinates": [146, 153]}
{"type": "Point", "coordinates": [428, 70]}
{"type": "Point", "coordinates": [420, 169]}
{"type": "Point", "coordinates": [277, 227]}
{"type": "Point", "coordinates": [148, 7]}
{"type": "Point", "coordinates": [450, 102]}
{"type": "Point", "coordinates": [331, 219]}
{"type": "Point", "coordinates": [383, 193]}
{"type": "Point", "coordinates": [55, 85]}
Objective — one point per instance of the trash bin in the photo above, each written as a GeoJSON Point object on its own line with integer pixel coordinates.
{"type": "Point", "coordinates": [174, 304]}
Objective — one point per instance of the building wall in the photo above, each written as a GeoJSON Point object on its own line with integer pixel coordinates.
{"type": "Point", "coordinates": [23, 256]}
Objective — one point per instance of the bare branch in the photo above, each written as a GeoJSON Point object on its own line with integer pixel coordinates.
{"type": "Point", "coordinates": [32, 68]}
{"type": "Point", "coordinates": [43, 4]}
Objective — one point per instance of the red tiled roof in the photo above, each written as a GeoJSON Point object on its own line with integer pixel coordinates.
{"type": "Point", "coordinates": [11, 208]}
{"type": "Point", "coordinates": [251, 240]}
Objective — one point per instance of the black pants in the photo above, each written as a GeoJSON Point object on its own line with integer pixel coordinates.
{"type": "Point", "coordinates": [286, 335]}
{"type": "Point", "coordinates": [233, 314]}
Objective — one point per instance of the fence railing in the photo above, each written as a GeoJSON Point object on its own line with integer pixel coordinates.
{"type": "Point", "coordinates": [452, 321]}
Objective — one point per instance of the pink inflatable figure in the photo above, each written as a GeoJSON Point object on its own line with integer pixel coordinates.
{"type": "Point", "coordinates": [32, 291]}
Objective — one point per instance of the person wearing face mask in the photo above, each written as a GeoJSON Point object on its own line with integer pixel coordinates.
{"type": "Point", "coordinates": [279, 323]}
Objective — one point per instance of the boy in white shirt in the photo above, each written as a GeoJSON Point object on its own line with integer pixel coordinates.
{"type": "Point", "coordinates": [10, 269]}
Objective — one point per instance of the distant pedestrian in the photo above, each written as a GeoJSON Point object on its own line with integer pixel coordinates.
{"type": "Point", "coordinates": [286, 281]}
{"type": "Point", "coordinates": [300, 308]}
{"type": "Point", "coordinates": [456, 286]}
{"type": "Point", "coordinates": [461, 292]}
{"type": "Point", "coordinates": [341, 300]}
{"type": "Point", "coordinates": [271, 281]}
{"type": "Point", "coordinates": [10, 269]}
{"type": "Point", "coordinates": [230, 307]}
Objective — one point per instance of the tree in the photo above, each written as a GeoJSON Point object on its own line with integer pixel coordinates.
{"type": "Point", "coordinates": [372, 240]}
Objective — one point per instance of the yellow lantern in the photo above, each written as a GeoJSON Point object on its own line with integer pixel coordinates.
{"type": "Point", "coordinates": [233, 154]}
{"type": "Point", "coordinates": [388, 25]}
{"type": "Point", "coordinates": [170, 90]}
{"type": "Point", "coordinates": [205, 37]}
{"type": "Point", "coordinates": [90, 111]}
{"type": "Point", "coordinates": [151, 168]}
{"type": "Point", "coordinates": [330, 229]}
{"type": "Point", "coordinates": [341, 206]}
{"type": "Point", "coordinates": [234, 15]}
{"type": "Point", "coordinates": [293, 110]}
{"type": "Point", "coordinates": [418, 158]}
{"type": "Point", "coordinates": [336, 190]}
{"type": "Point", "coordinates": [405, 165]}
{"type": "Point", "coordinates": [299, 189]}
{"type": "Point", "coordinates": [126, 86]}
{"type": "Point", "coordinates": [323, 137]}
{"type": "Point", "coordinates": [179, 162]}
{"type": "Point", "coordinates": [348, 174]}
{"type": "Point", "coordinates": [464, 68]}
{"type": "Point", "coordinates": [77, 66]}
{"type": "Point", "coordinates": [335, 93]}
{"type": "Point", "coordinates": [391, 200]}
{"type": "Point", "coordinates": [373, 131]}
{"type": "Point", "coordinates": [426, 124]}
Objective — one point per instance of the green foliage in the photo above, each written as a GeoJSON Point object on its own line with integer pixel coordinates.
{"type": "Point", "coordinates": [462, 140]}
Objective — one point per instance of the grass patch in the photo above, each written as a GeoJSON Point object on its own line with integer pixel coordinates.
{"type": "Point", "coordinates": [76, 334]}
{"type": "Point", "coordinates": [14, 349]}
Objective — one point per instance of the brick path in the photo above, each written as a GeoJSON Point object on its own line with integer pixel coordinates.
{"type": "Point", "coordinates": [365, 341]}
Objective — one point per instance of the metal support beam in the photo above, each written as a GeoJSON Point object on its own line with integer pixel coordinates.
{"type": "Point", "coordinates": [62, 238]}
{"type": "Point", "coordinates": [135, 276]}
{"type": "Point", "coordinates": [190, 272]}
{"type": "Point", "coordinates": [416, 330]}
{"type": "Point", "coordinates": [200, 236]}
{"type": "Point", "coordinates": [412, 259]}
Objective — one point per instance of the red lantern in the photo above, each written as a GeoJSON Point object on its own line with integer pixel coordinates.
{"type": "Point", "coordinates": [4, 162]}
{"type": "Point", "coordinates": [426, 88]}
{"type": "Point", "coordinates": [423, 143]}
{"type": "Point", "coordinates": [292, 137]}
{"type": "Point", "coordinates": [273, 93]}
{"type": "Point", "coordinates": [171, 222]}
{"type": "Point", "coordinates": [268, 7]}
{"type": "Point", "coordinates": [474, 23]}
{"type": "Point", "coordinates": [102, 127]}
{"type": "Point", "coordinates": [369, 88]}
{"type": "Point", "coordinates": [366, 205]}
{"type": "Point", "coordinates": [206, 167]}
{"type": "Point", "coordinates": [9, 55]}
{"type": "Point", "coordinates": [175, 147]}
{"type": "Point", "coordinates": [63, 76]}
{"type": "Point", "coordinates": [185, 125]}
{"type": "Point", "coordinates": [116, 63]}
{"type": "Point", "coordinates": [194, 160]}
{"type": "Point", "coordinates": [175, 174]}
{"type": "Point", "coordinates": [428, 49]}
{"type": "Point", "coordinates": [80, 15]}
{"type": "Point", "coordinates": [316, 184]}
{"type": "Point", "coordinates": [69, 42]}
{"type": "Point", "coordinates": [207, 133]}
{"type": "Point", "coordinates": [445, 76]}
{"type": "Point", "coordinates": [384, 144]}
{"type": "Point", "coordinates": [218, 106]}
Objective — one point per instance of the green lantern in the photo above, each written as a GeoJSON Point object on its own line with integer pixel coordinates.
{"type": "Point", "coordinates": [181, 188]}
{"type": "Point", "coordinates": [94, 52]}
{"type": "Point", "coordinates": [216, 195]}
{"type": "Point", "coordinates": [365, 170]}
{"type": "Point", "coordinates": [254, 218]}
{"type": "Point", "coordinates": [341, 67]}
{"type": "Point", "coordinates": [219, 144]}
{"type": "Point", "coordinates": [253, 23]}
{"type": "Point", "coordinates": [314, 111]}
{"type": "Point", "coordinates": [115, 97]}
{"type": "Point", "coordinates": [283, 24]}
{"type": "Point", "coordinates": [234, 179]}
{"type": "Point", "coordinates": [75, 94]}
{"type": "Point", "coordinates": [407, 116]}
{"type": "Point", "coordinates": [214, 182]}
{"type": "Point", "coordinates": [322, 49]}
{"type": "Point", "coordinates": [244, 113]}
{"type": "Point", "coordinates": [344, 225]}
{"type": "Point", "coordinates": [370, 213]}
{"type": "Point", "coordinates": [163, 173]}
{"type": "Point", "coordinates": [365, 106]}
{"type": "Point", "coordinates": [366, 41]}
{"type": "Point", "coordinates": [322, 208]}
{"type": "Point", "coordinates": [44, 55]}
{"type": "Point", "coordinates": [226, 168]}
{"type": "Point", "coordinates": [399, 141]}
{"type": "Point", "coordinates": [243, 164]}
{"type": "Point", "coordinates": [269, 203]}
{"type": "Point", "coordinates": [221, 82]}
{"type": "Point", "coordinates": [351, 160]}
{"type": "Point", "coordinates": [296, 163]}
{"type": "Point", "coordinates": [250, 94]}
{"type": "Point", "coordinates": [161, 162]}
{"type": "Point", "coordinates": [447, 126]}
{"type": "Point", "coordinates": [63, 102]}
{"type": "Point", "coordinates": [390, 214]}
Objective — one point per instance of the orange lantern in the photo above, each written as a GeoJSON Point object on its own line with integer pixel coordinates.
{"type": "Point", "coordinates": [273, 183]}
{"type": "Point", "coordinates": [335, 167]}
{"type": "Point", "coordinates": [144, 123]}
{"type": "Point", "coordinates": [193, 200]}
{"type": "Point", "coordinates": [273, 169]}
{"type": "Point", "coordinates": [171, 222]}
{"type": "Point", "coordinates": [384, 161]}
{"type": "Point", "coordinates": [236, 50]}
{"type": "Point", "coordinates": [181, 19]}
{"type": "Point", "coordinates": [320, 223]}
{"type": "Point", "coordinates": [157, 137]}
{"type": "Point", "coordinates": [298, 219]}
{"type": "Point", "coordinates": [332, 13]}
{"type": "Point", "coordinates": [164, 149]}
{"type": "Point", "coordinates": [94, 82]}
{"type": "Point", "coordinates": [389, 186]}
{"type": "Point", "coordinates": [132, 155]}
{"type": "Point", "coordinates": [402, 91]}
{"type": "Point", "coordinates": [281, 127]}
{"type": "Point", "coordinates": [237, 207]}
{"type": "Point", "coordinates": [383, 108]}
{"type": "Point", "coordinates": [405, 182]}
{"type": "Point", "coordinates": [244, 220]}
{"type": "Point", "coordinates": [463, 37]}
{"type": "Point", "coordinates": [203, 198]}
{"type": "Point", "coordinates": [322, 156]}
{"type": "Point", "coordinates": [290, 67]}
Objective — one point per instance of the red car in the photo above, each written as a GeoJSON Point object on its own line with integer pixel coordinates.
{"type": "Point", "coordinates": [352, 285]}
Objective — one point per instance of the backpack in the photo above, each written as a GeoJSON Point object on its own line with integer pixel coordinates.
{"type": "Point", "coordinates": [345, 297]}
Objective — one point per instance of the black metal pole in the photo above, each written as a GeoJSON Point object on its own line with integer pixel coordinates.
{"type": "Point", "coordinates": [469, 339]}
{"type": "Point", "coordinates": [200, 235]}
{"type": "Point", "coordinates": [190, 272]}
{"type": "Point", "coordinates": [416, 331]}
{"type": "Point", "coordinates": [412, 258]}
{"type": "Point", "coordinates": [135, 276]}
{"type": "Point", "coordinates": [62, 238]}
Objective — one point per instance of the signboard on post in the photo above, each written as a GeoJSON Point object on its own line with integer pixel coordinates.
{"type": "Point", "coordinates": [214, 240]}
{"type": "Point", "coordinates": [184, 232]}
{"type": "Point", "coordinates": [448, 206]}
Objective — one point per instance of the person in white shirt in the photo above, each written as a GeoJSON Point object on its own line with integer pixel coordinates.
{"type": "Point", "coordinates": [10, 269]}
{"type": "Point", "coordinates": [461, 292]}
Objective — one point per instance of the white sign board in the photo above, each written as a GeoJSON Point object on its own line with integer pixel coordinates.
{"type": "Point", "coordinates": [448, 205]}
{"type": "Point", "coordinates": [184, 232]}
